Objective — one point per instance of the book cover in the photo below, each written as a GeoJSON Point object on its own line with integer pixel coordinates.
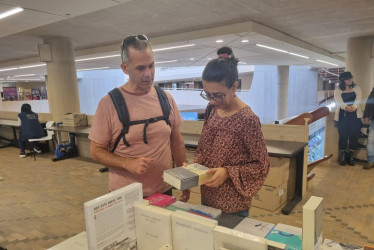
{"type": "Point", "coordinates": [254, 227]}
{"type": "Point", "coordinates": [175, 208]}
{"type": "Point", "coordinates": [153, 227]}
{"type": "Point", "coordinates": [289, 235]}
{"type": "Point", "coordinates": [312, 223]}
{"type": "Point", "coordinates": [335, 245]}
{"type": "Point", "coordinates": [186, 177]}
{"type": "Point", "coordinates": [192, 232]}
{"type": "Point", "coordinates": [161, 200]}
{"type": "Point", "coordinates": [232, 239]}
{"type": "Point", "coordinates": [110, 219]}
{"type": "Point", "coordinates": [229, 220]}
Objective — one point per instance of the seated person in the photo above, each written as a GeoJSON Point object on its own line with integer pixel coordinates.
{"type": "Point", "coordinates": [30, 129]}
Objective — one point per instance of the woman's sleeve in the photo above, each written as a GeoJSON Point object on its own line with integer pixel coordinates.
{"type": "Point", "coordinates": [248, 178]}
{"type": "Point", "coordinates": [358, 97]}
{"type": "Point", "coordinates": [338, 99]}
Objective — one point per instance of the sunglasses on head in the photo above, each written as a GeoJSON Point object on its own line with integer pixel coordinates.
{"type": "Point", "coordinates": [131, 39]}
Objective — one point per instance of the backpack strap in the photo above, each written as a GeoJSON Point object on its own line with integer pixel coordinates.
{"type": "Point", "coordinates": [207, 112]}
{"type": "Point", "coordinates": [164, 102]}
{"type": "Point", "coordinates": [123, 115]}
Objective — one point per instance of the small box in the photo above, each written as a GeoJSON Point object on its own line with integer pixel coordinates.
{"type": "Point", "coordinates": [75, 120]}
{"type": "Point", "coordinates": [279, 171]}
{"type": "Point", "coordinates": [270, 198]}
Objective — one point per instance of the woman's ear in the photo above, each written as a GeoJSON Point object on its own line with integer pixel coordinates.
{"type": "Point", "coordinates": [235, 86]}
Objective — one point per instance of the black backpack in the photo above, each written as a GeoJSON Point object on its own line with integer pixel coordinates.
{"type": "Point", "coordinates": [123, 114]}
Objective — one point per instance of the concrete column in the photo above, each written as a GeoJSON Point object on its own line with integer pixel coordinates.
{"type": "Point", "coordinates": [282, 93]}
{"type": "Point", "coordinates": [62, 84]}
{"type": "Point", "coordinates": [360, 62]}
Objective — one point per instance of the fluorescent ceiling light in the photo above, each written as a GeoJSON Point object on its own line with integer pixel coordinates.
{"type": "Point", "coordinates": [283, 51]}
{"type": "Point", "coordinates": [191, 59]}
{"type": "Point", "coordinates": [95, 58]}
{"type": "Point", "coordinates": [245, 41]}
{"type": "Point", "coordinates": [219, 41]}
{"type": "Point", "coordinates": [175, 47]}
{"type": "Point", "coordinates": [242, 63]}
{"type": "Point", "coordinates": [267, 47]}
{"type": "Point", "coordinates": [32, 66]}
{"type": "Point", "coordinates": [93, 69]}
{"type": "Point", "coordinates": [10, 12]}
{"type": "Point", "coordinates": [327, 62]}
{"type": "Point", "coordinates": [172, 61]}
{"type": "Point", "coordinates": [8, 69]}
{"type": "Point", "coordinates": [294, 54]}
{"type": "Point", "coordinates": [24, 75]}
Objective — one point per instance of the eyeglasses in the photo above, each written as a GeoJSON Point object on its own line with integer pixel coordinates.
{"type": "Point", "coordinates": [218, 97]}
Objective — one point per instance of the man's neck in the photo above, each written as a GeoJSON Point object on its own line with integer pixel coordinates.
{"type": "Point", "coordinates": [132, 88]}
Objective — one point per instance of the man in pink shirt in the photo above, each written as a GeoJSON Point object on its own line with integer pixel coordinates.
{"type": "Point", "coordinates": [141, 161]}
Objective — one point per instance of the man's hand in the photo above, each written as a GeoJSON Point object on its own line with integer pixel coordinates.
{"type": "Point", "coordinates": [219, 177]}
{"type": "Point", "coordinates": [139, 165]}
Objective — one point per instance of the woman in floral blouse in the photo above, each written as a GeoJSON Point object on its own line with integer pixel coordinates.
{"type": "Point", "coordinates": [231, 142]}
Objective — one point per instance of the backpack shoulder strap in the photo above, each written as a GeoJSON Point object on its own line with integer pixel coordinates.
{"type": "Point", "coordinates": [123, 114]}
{"type": "Point", "coordinates": [164, 102]}
{"type": "Point", "coordinates": [207, 112]}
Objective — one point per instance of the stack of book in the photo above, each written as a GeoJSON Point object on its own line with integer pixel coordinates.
{"type": "Point", "coordinates": [161, 200]}
{"type": "Point", "coordinates": [289, 235]}
{"type": "Point", "coordinates": [186, 177]}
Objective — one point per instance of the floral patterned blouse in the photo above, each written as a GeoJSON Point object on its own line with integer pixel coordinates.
{"type": "Point", "coordinates": [237, 144]}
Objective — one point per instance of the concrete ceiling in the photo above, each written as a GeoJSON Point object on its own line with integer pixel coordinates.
{"type": "Point", "coordinates": [318, 29]}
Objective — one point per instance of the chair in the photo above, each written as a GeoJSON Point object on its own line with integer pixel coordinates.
{"type": "Point", "coordinates": [49, 136]}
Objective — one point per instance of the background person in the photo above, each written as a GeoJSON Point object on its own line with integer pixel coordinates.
{"type": "Point", "coordinates": [368, 117]}
{"type": "Point", "coordinates": [30, 129]}
{"type": "Point", "coordinates": [140, 162]}
{"type": "Point", "coordinates": [231, 142]}
{"type": "Point", "coordinates": [348, 117]}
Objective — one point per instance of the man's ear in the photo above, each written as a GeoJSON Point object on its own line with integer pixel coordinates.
{"type": "Point", "coordinates": [124, 68]}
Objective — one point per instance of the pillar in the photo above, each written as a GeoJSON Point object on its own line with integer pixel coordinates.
{"type": "Point", "coordinates": [360, 62]}
{"type": "Point", "coordinates": [282, 93]}
{"type": "Point", "coordinates": [62, 84]}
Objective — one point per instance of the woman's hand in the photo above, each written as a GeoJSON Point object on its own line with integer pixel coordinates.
{"type": "Point", "coordinates": [350, 108]}
{"type": "Point", "coordinates": [219, 177]}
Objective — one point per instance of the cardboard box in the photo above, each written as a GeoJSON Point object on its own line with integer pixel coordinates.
{"type": "Point", "coordinates": [279, 171]}
{"type": "Point", "coordinates": [75, 120]}
{"type": "Point", "coordinates": [270, 198]}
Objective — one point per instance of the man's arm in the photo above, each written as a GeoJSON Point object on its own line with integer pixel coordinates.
{"type": "Point", "coordinates": [177, 147]}
{"type": "Point", "coordinates": [137, 166]}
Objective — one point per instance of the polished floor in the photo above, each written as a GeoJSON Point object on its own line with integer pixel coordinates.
{"type": "Point", "coordinates": [41, 202]}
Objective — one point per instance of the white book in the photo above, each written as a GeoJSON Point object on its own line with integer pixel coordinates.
{"type": "Point", "coordinates": [235, 240]}
{"type": "Point", "coordinates": [110, 219]}
{"type": "Point", "coordinates": [254, 227]}
{"type": "Point", "coordinates": [153, 227]}
{"type": "Point", "coordinates": [312, 223]}
{"type": "Point", "coordinates": [186, 177]}
{"type": "Point", "coordinates": [192, 232]}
